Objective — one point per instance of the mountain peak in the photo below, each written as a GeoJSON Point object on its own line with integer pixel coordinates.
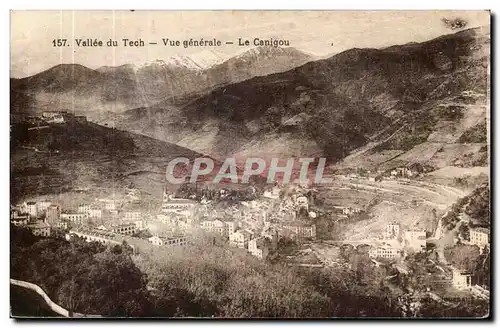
{"type": "Point", "coordinates": [270, 51]}
{"type": "Point", "coordinates": [198, 61]}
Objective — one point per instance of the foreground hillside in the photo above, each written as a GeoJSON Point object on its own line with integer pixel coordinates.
{"type": "Point", "coordinates": [84, 156]}
{"type": "Point", "coordinates": [417, 102]}
{"type": "Point", "coordinates": [208, 280]}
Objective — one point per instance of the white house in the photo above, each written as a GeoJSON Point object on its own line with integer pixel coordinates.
{"type": "Point", "coordinates": [84, 208]}
{"type": "Point", "coordinates": [258, 247]}
{"type": "Point", "coordinates": [274, 193]}
{"type": "Point", "coordinates": [19, 219]}
{"type": "Point", "coordinates": [386, 252]}
{"type": "Point", "coordinates": [415, 240]}
{"type": "Point", "coordinates": [124, 229]}
{"type": "Point", "coordinates": [42, 206]}
{"type": "Point", "coordinates": [213, 225]}
{"type": "Point", "coordinates": [392, 230]}
{"type": "Point", "coordinates": [240, 238]}
{"type": "Point", "coordinates": [74, 217]}
{"type": "Point", "coordinates": [31, 209]}
{"type": "Point", "coordinates": [132, 215]}
{"type": "Point", "coordinates": [480, 237]}
{"type": "Point", "coordinates": [461, 279]}
{"type": "Point", "coordinates": [40, 229]}
{"type": "Point", "coordinates": [109, 204]}
{"type": "Point", "coordinates": [180, 206]}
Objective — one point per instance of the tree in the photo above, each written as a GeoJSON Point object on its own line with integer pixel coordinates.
{"type": "Point", "coordinates": [84, 277]}
{"type": "Point", "coordinates": [464, 232]}
{"type": "Point", "coordinates": [462, 256]}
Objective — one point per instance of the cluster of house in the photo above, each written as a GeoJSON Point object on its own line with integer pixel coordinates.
{"type": "Point", "coordinates": [396, 242]}
{"type": "Point", "coordinates": [28, 215]}
{"type": "Point", "coordinates": [416, 241]}
{"type": "Point", "coordinates": [41, 216]}
{"type": "Point", "coordinates": [370, 176]}
{"type": "Point", "coordinates": [462, 279]}
{"type": "Point", "coordinates": [56, 117]}
{"type": "Point", "coordinates": [345, 211]}
{"type": "Point", "coordinates": [411, 171]}
{"type": "Point", "coordinates": [254, 225]}
{"type": "Point", "coordinates": [119, 234]}
{"type": "Point", "coordinates": [402, 172]}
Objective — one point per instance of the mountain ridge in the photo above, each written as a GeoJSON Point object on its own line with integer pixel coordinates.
{"type": "Point", "coordinates": [339, 103]}
{"type": "Point", "coordinates": [129, 86]}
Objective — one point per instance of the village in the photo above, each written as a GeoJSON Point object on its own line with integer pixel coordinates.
{"type": "Point", "coordinates": [260, 224]}
{"type": "Point", "coordinates": [253, 225]}
{"type": "Point", "coordinates": [280, 212]}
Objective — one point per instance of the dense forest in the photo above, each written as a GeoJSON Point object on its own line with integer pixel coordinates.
{"type": "Point", "coordinates": [81, 277]}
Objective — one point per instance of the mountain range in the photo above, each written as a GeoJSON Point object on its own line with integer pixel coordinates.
{"type": "Point", "coordinates": [359, 104]}
{"type": "Point", "coordinates": [419, 102]}
{"type": "Point", "coordinates": [78, 88]}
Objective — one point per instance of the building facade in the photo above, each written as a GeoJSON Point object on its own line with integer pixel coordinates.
{"type": "Point", "coordinates": [171, 241]}
{"type": "Point", "coordinates": [181, 206]}
{"type": "Point", "coordinates": [301, 229]}
{"type": "Point", "coordinates": [480, 237]}
{"type": "Point", "coordinates": [384, 252]}
{"type": "Point", "coordinates": [461, 279]}
{"type": "Point", "coordinates": [53, 213]}
{"type": "Point", "coordinates": [258, 247]}
{"type": "Point", "coordinates": [77, 218]}
{"type": "Point", "coordinates": [240, 238]}
{"type": "Point", "coordinates": [31, 209]}
{"type": "Point", "coordinates": [214, 225]}
{"type": "Point", "coordinates": [124, 229]}
{"type": "Point", "coordinates": [392, 230]}
{"type": "Point", "coordinates": [84, 208]}
{"type": "Point", "coordinates": [19, 219]}
{"type": "Point", "coordinates": [41, 229]}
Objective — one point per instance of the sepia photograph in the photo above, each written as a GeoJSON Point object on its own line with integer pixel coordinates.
{"type": "Point", "coordinates": [240, 164]}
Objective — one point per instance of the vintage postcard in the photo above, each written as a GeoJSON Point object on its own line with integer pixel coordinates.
{"type": "Point", "coordinates": [250, 164]}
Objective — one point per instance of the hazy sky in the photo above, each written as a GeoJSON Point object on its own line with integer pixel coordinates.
{"type": "Point", "coordinates": [316, 32]}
